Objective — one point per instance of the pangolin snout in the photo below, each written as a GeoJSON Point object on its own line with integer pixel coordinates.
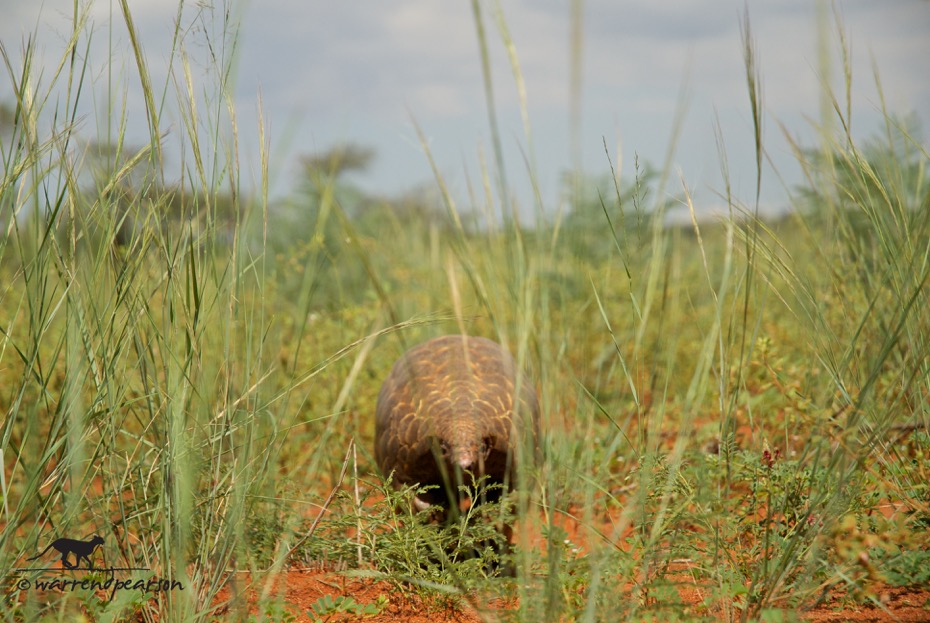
{"type": "Point", "coordinates": [466, 459]}
{"type": "Point", "coordinates": [472, 456]}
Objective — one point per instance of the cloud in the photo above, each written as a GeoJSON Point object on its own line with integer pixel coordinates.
{"type": "Point", "coordinates": [367, 55]}
{"type": "Point", "coordinates": [358, 71]}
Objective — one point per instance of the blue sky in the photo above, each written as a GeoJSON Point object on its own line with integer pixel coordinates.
{"type": "Point", "coordinates": [362, 71]}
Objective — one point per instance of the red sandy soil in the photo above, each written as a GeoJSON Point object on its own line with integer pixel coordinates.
{"type": "Point", "coordinates": [304, 588]}
{"type": "Point", "coordinates": [299, 589]}
{"type": "Point", "coordinates": [907, 605]}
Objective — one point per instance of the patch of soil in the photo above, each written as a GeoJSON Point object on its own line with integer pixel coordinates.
{"type": "Point", "coordinates": [303, 588]}
{"type": "Point", "coordinates": [907, 605]}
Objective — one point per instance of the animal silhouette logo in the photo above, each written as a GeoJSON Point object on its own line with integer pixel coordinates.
{"type": "Point", "coordinates": [80, 549]}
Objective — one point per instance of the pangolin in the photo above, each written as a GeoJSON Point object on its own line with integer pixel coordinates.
{"type": "Point", "coordinates": [447, 413]}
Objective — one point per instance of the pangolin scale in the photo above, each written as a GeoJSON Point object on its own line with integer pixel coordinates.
{"type": "Point", "coordinates": [448, 408]}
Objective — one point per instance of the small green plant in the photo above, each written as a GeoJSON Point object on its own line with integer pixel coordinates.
{"type": "Point", "coordinates": [903, 567]}
{"type": "Point", "coordinates": [329, 608]}
{"type": "Point", "coordinates": [274, 611]}
{"type": "Point", "coordinates": [461, 553]}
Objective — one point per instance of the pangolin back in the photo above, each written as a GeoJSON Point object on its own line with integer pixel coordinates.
{"type": "Point", "coordinates": [447, 408]}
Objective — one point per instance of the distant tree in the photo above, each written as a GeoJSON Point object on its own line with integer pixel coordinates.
{"type": "Point", "coordinates": [124, 198]}
{"type": "Point", "coordinates": [873, 200]}
{"type": "Point", "coordinates": [599, 202]}
{"type": "Point", "coordinates": [330, 218]}
{"type": "Point", "coordinates": [337, 161]}
{"type": "Point", "coordinates": [888, 173]}
{"type": "Point", "coordinates": [7, 118]}
{"type": "Point", "coordinates": [325, 174]}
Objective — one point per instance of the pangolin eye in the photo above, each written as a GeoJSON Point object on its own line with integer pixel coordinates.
{"type": "Point", "coordinates": [438, 445]}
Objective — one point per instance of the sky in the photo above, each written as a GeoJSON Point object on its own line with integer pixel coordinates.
{"type": "Point", "coordinates": [371, 72]}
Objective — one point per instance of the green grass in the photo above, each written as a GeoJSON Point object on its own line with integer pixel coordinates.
{"type": "Point", "coordinates": [191, 371]}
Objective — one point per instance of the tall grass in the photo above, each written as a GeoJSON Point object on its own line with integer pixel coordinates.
{"type": "Point", "coordinates": [779, 549]}
{"type": "Point", "coordinates": [191, 374]}
{"type": "Point", "coordinates": [142, 400]}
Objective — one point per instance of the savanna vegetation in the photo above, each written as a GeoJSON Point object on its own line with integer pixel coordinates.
{"type": "Point", "coordinates": [735, 411]}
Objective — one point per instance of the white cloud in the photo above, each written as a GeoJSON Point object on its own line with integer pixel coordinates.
{"type": "Point", "coordinates": [358, 70]}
